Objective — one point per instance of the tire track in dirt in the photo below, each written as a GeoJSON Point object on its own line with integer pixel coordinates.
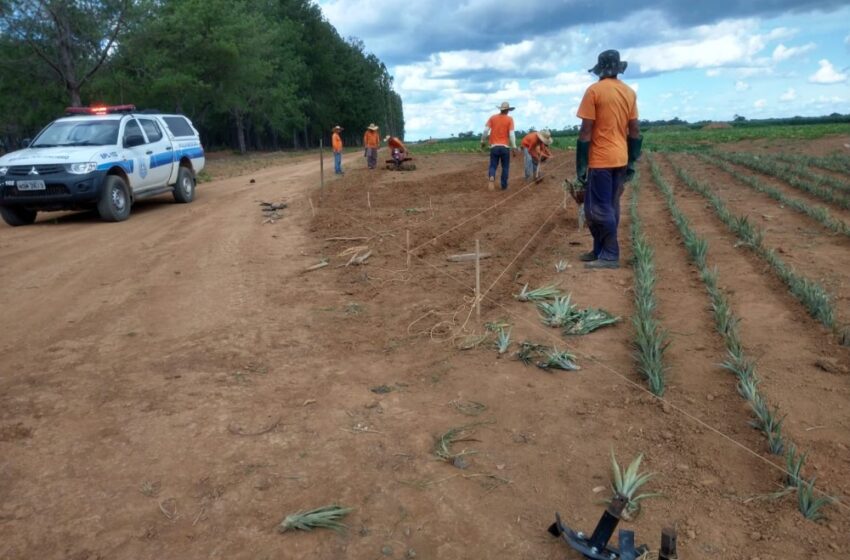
{"type": "Point", "coordinates": [786, 342]}
{"type": "Point", "coordinates": [803, 243]}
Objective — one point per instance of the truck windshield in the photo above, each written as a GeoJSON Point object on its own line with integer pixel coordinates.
{"type": "Point", "coordinates": [78, 133]}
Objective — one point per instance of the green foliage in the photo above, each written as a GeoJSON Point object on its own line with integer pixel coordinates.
{"type": "Point", "coordinates": [326, 517]}
{"type": "Point", "coordinates": [558, 312]}
{"type": "Point", "coordinates": [650, 340]}
{"type": "Point", "coordinates": [812, 295]}
{"type": "Point", "coordinates": [557, 359]}
{"type": "Point", "coordinates": [503, 340]}
{"type": "Point", "coordinates": [794, 463]}
{"type": "Point", "coordinates": [627, 482]}
{"type": "Point", "coordinates": [809, 505]}
{"type": "Point", "coordinates": [538, 294]}
{"type": "Point", "coordinates": [585, 321]}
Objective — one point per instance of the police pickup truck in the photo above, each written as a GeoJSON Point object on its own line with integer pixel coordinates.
{"type": "Point", "coordinates": [100, 157]}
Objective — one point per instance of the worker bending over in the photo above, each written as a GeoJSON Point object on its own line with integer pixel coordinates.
{"type": "Point", "coordinates": [535, 148]}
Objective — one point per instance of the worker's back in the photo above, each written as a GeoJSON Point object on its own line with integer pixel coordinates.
{"type": "Point", "coordinates": [611, 104]}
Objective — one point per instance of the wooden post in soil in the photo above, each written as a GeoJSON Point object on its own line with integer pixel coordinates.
{"type": "Point", "coordinates": [312, 208]}
{"type": "Point", "coordinates": [408, 248]}
{"type": "Point", "coordinates": [369, 201]}
{"type": "Point", "coordinates": [478, 280]}
{"type": "Point", "coordinates": [322, 166]}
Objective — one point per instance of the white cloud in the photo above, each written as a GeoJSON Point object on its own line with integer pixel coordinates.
{"type": "Point", "coordinates": [781, 52]}
{"type": "Point", "coordinates": [789, 95]}
{"type": "Point", "coordinates": [713, 72]}
{"type": "Point", "coordinates": [827, 74]}
{"type": "Point", "coordinates": [847, 40]}
{"type": "Point", "coordinates": [741, 85]}
{"type": "Point", "coordinates": [760, 104]}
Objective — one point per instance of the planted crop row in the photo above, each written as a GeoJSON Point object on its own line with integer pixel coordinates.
{"type": "Point", "coordinates": [818, 213]}
{"type": "Point", "coordinates": [786, 173]}
{"type": "Point", "coordinates": [812, 295]}
{"type": "Point", "coordinates": [765, 418]}
{"type": "Point", "coordinates": [650, 340]}
{"type": "Point", "coordinates": [803, 164]}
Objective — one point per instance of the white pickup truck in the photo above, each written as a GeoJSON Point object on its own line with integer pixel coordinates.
{"type": "Point", "coordinates": [104, 158]}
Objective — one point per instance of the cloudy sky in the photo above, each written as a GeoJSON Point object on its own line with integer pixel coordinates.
{"type": "Point", "coordinates": [455, 60]}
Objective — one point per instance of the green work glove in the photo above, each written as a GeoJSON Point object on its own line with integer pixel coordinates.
{"type": "Point", "coordinates": [634, 155]}
{"type": "Point", "coordinates": [582, 158]}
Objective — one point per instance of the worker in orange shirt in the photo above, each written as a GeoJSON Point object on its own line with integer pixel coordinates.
{"type": "Point", "coordinates": [500, 132]}
{"type": "Point", "coordinates": [398, 151]}
{"type": "Point", "coordinates": [607, 149]}
{"type": "Point", "coordinates": [535, 148]}
{"type": "Point", "coordinates": [336, 144]}
{"type": "Point", "coordinates": [372, 142]}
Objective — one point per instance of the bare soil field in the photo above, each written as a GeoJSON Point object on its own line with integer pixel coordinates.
{"type": "Point", "coordinates": [174, 385]}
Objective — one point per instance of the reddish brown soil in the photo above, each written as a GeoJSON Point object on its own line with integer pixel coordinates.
{"type": "Point", "coordinates": [136, 357]}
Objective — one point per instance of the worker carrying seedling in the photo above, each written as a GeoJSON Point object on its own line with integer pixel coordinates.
{"type": "Point", "coordinates": [398, 155]}
{"type": "Point", "coordinates": [371, 141]}
{"type": "Point", "coordinates": [500, 132]}
{"type": "Point", "coordinates": [608, 146]}
{"type": "Point", "coordinates": [535, 148]}
{"type": "Point", "coordinates": [336, 145]}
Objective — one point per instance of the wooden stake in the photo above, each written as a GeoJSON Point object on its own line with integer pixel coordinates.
{"type": "Point", "coordinates": [322, 166]}
{"type": "Point", "coordinates": [565, 199]}
{"type": "Point", "coordinates": [408, 248]}
{"type": "Point", "coordinates": [312, 208]}
{"type": "Point", "coordinates": [369, 200]}
{"type": "Point", "coordinates": [478, 280]}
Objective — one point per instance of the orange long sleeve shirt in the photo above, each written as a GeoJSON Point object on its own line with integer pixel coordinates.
{"type": "Point", "coordinates": [394, 143]}
{"type": "Point", "coordinates": [336, 142]}
{"type": "Point", "coordinates": [371, 139]}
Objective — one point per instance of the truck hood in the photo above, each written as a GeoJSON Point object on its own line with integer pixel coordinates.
{"type": "Point", "coordinates": [68, 154]}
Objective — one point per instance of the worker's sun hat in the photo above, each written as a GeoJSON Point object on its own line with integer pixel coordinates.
{"type": "Point", "coordinates": [609, 64]}
{"type": "Point", "coordinates": [372, 126]}
{"type": "Point", "coordinates": [337, 127]}
{"type": "Point", "coordinates": [545, 136]}
{"type": "Point", "coordinates": [387, 138]}
{"type": "Point", "coordinates": [505, 106]}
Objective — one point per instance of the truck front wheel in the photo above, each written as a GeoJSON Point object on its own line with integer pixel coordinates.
{"type": "Point", "coordinates": [17, 216]}
{"type": "Point", "coordinates": [184, 190]}
{"type": "Point", "coordinates": [114, 204]}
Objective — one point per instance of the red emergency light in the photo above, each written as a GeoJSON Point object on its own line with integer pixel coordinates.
{"type": "Point", "coordinates": [100, 110]}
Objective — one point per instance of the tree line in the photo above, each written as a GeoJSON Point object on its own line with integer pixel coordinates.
{"type": "Point", "coordinates": [251, 74]}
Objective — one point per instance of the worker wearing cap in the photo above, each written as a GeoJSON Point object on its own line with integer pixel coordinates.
{"type": "Point", "coordinates": [535, 148]}
{"type": "Point", "coordinates": [336, 144]}
{"type": "Point", "coordinates": [372, 141]}
{"type": "Point", "coordinates": [608, 146]}
{"type": "Point", "coordinates": [499, 130]}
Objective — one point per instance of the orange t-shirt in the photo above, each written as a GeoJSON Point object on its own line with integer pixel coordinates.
{"type": "Point", "coordinates": [610, 104]}
{"type": "Point", "coordinates": [535, 146]}
{"type": "Point", "coordinates": [336, 142]}
{"type": "Point", "coordinates": [500, 127]}
{"type": "Point", "coordinates": [372, 140]}
{"type": "Point", "coordinates": [394, 143]}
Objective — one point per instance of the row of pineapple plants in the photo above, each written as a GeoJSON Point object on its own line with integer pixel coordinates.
{"type": "Point", "coordinates": [817, 301]}
{"type": "Point", "coordinates": [818, 213]}
{"type": "Point", "coordinates": [765, 418]}
{"type": "Point", "coordinates": [650, 340]}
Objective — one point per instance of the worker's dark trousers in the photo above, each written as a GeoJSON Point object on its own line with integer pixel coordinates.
{"type": "Point", "coordinates": [602, 210]}
{"type": "Point", "coordinates": [500, 154]}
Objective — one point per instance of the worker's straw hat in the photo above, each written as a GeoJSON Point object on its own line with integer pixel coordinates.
{"type": "Point", "coordinates": [372, 126]}
{"type": "Point", "coordinates": [387, 138]}
{"type": "Point", "coordinates": [505, 106]}
{"type": "Point", "coordinates": [337, 127]}
{"type": "Point", "coordinates": [545, 136]}
{"type": "Point", "coordinates": [608, 64]}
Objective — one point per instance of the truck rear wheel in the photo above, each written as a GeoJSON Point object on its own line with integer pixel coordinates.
{"type": "Point", "coordinates": [114, 204]}
{"type": "Point", "coordinates": [184, 190]}
{"type": "Point", "coordinates": [17, 216]}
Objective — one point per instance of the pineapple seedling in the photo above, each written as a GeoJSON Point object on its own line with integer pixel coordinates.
{"type": "Point", "coordinates": [561, 266]}
{"type": "Point", "coordinates": [589, 320]}
{"type": "Point", "coordinates": [326, 517]}
{"type": "Point", "coordinates": [558, 312]}
{"type": "Point", "coordinates": [627, 483]}
{"type": "Point", "coordinates": [503, 340]}
{"type": "Point", "coordinates": [809, 505]}
{"type": "Point", "coordinates": [527, 351]}
{"type": "Point", "coordinates": [538, 294]}
{"type": "Point", "coordinates": [556, 359]}
{"type": "Point", "coordinates": [794, 466]}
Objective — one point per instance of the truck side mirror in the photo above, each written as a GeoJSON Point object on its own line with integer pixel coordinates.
{"type": "Point", "coordinates": [26, 142]}
{"type": "Point", "coordinates": [134, 140]}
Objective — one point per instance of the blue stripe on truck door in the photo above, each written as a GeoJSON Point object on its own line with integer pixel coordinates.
{"type": "Point", "coordinates": [167, 158]}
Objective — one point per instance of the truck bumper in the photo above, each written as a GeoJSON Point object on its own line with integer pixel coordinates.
{"type": "Point", "coordinates": [63, 191]}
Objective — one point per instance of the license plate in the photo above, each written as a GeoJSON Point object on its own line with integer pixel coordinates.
{"type": "Point", "coordinates": [31, 186]}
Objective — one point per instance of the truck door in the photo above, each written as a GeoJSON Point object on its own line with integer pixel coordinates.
{"type": "Point", "coordinates": [159, 152]}
{"type": "Point", "coordinates": [135, 155]}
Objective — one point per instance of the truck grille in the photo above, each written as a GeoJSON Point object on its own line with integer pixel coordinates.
{"type": "Point", "coordinates": [51, 190]}
{"type": "Point", "coordinates": [21, 170]}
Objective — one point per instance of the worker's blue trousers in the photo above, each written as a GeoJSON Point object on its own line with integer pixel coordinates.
{"type": "Point", "coordinates": [602, 210]}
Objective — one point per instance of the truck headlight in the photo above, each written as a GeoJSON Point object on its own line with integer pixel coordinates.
{"type": "Point", "coordinates": [82, 168]}
{"type": "Point", "coordinates": [3, 170]}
